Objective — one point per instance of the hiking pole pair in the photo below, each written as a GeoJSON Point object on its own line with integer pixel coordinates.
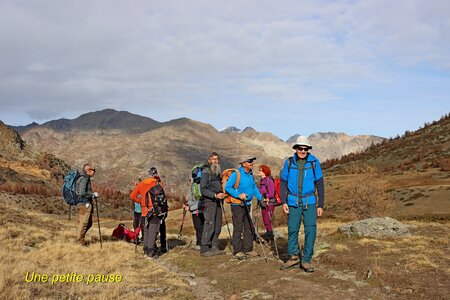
{"type": "Point", "coordinates": [252, 228]}
{"type": "Point", "coordinates": [228, 228]}
{"type": "Point", "coordinates": [98, 221]}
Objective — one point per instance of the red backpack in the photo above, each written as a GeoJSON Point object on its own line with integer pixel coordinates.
{"type": "Point", "coordinates": [123, 233]}
{"type": "Point", "coordinates": [276, 181]}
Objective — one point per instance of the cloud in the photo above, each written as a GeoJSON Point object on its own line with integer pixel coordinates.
{"type": "Point", "coordinates": [80, 56]}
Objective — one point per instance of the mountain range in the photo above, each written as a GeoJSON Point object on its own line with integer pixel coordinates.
{"type": "Point", "coordinates": [124, 145]}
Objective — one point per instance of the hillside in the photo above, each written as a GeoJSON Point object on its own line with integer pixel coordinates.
{"type": "Point", "coordinates": [415, 150]}
{"type": "Point", "coordinates": [21, 165]}
{"type": "Point", "coordinates": [409, 172]}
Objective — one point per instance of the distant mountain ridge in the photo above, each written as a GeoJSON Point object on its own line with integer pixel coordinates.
{"type": "Point", "coordinates": [124, 145]}
{"type": "Point", "coordinates": [328, 145]}
{"type": "Point", "coordinates": [107, 119]}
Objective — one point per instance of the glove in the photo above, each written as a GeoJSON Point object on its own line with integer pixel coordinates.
{"type": "Point", "coordinates": [95, 195]}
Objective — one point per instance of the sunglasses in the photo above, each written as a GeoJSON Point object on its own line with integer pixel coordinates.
{"type": "Point", "coordinates": [303, 149]}
{"type": "Point", "coordinates": [250, 161]}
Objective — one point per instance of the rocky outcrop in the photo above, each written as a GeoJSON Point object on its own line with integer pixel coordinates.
{"type": "Point", "coordinates": [375, 228]}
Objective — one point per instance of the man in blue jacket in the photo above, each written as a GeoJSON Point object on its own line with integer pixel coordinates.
{"type": "Point", "coordinates": [243, 246]}
{"type": "Point", "coordinates": [300, 178]}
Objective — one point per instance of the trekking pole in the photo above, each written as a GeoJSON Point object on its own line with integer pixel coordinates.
{"type": "Point", "coordinates": [274, 236]}
{"type": "Point", "coordinates": [180, 234]}
{"type": "Point", "coordinates": [98, 221]}
{"type": "Point", "coordinates": [252, 227]}
{"type": "Point", "coordinates": [70, 211]}
{"type": "Point", "coordinates": [228, 228]}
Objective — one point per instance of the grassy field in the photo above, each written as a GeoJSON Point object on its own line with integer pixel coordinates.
{"type": "Point", "coordinates": [34, 241]}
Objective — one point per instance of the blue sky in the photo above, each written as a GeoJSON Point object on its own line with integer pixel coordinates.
{"type": "Point", "coordinates": [288, 67]}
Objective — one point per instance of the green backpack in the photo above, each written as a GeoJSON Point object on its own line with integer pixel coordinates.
{"type": "Point", "coordinates": [196, 176]}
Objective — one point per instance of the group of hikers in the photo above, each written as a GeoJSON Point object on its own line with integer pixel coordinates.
{"type": "Point", "coordinates": [300, 194]}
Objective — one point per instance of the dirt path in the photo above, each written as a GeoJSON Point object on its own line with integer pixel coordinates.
{"type": "Point", "coordinates": [223, 277]}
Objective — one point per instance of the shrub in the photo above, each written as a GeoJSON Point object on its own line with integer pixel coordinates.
{"type": "Point", "coordinates": [444, 164]}
{"type": "Point", "coordinates": [367, 195]}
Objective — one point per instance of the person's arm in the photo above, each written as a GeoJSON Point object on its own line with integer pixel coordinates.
{"type": "Point", "coordinates": [270, 189]}
{"type": "Point", "coordinates": [135, 193]}
{"type": "Point", "coordinates": [283, 182]}
{"type": "Point", "coordinates": [82, 188]}
{"type": "Point", "coordinates": [256, 192]}
{"type": "Point", "coordinates": [204, 187]}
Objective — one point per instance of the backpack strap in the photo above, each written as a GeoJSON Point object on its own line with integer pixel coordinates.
{"type": "Point", "coordinates": [238, 179]}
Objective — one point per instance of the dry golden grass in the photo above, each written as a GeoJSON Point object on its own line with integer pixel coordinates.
{"type": "Point", "coordinates": [341, 247]}
{"type": "Point", "coordinates": [28, 245]}
{"type": "Point", "coordinates": [26, 168]}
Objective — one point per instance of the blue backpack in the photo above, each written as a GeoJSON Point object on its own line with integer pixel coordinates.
{"type": "Point", "coordinates": [68, 189]}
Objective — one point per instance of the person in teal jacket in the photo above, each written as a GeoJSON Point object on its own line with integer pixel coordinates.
{"type": "Point", "coordinates": [242, 239]}
{"type": "Point", "coordinates": [300, 177]}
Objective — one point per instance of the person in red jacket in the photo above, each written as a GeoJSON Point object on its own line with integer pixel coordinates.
{"type": "Point", "coordinates": [152, 223]}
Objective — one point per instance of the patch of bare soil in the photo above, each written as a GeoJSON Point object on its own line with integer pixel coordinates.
{"type": "Point", "coordinates": [415, 267]}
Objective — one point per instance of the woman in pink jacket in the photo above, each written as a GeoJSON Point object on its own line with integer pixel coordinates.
{"type": "Point", "coordinates": [267, 189]}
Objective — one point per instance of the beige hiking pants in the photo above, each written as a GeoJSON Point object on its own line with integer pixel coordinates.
{"type": "Point", "coordinates": [85, 219]}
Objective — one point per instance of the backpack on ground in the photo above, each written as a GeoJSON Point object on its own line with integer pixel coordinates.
{"type": "Point", "coordinates": [123, 233]}
{"type": "Point", "coordinates": [68, 188]}
{"type": "Point", "coordinates": [225, 176]}
{"type": "Point", "coordinates": [159, 201]}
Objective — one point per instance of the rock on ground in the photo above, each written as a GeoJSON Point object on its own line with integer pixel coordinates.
{"type": "Point", "coordinates": [375, 227]}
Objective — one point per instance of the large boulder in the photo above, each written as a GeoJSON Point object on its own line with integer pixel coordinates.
{"type": "Point", "coordinates": [375, 228]}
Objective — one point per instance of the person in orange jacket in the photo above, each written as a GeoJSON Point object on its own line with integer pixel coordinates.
{"type": "Point", "coordinates": [152, 223]}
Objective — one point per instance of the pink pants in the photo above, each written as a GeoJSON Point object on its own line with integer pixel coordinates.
{"type": "Point", "coordinates": [267, 213]}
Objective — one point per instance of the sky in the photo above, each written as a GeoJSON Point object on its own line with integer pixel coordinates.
{"type": "Point", "coordinates": [287, 67]}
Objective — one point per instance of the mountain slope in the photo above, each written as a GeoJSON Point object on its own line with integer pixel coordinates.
{"type": "Point", "coordinates": [21, 163]}
{"type": "Point", "coordinates": [417, 150]}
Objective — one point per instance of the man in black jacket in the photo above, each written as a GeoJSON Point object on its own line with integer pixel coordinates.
{"type": "Point", "coordinates": [211, 189]}
{"type": "Point", "coordinates": [83, 189]}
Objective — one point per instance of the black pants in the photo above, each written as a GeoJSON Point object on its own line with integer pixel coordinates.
{"type": "Point", "coordinates": [242, 231]}
{"type": "Point", "coordinates": [213, 224]}
{"type": "Point", "coordinates": [199, 221]}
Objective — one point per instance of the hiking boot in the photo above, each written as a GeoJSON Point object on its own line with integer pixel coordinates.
{"type": "Point", "coordinates": [207, 253]}
{"type": "Point", "coordinates": [252, 253]}
{"type": "Point", "coordinates": [239, 256]}
{"type": "Point", "coordinates": [307, 267]}
{"type": "Point", "coordinates": [153, 256]}
{"type": "Point", "coordinates": [268, 236]}
{"type": "Point", "coordinates": [212, 253]}
{"type": "Point", "coordinates": [293, 261]}
{"type": "Point", "coordinates": [83, 243]}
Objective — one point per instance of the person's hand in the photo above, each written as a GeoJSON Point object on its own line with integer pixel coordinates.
{"type": "Point", "coordinates": [219, 196]}
{"type": "Point", "coordinates": [286, 208]}
{"type": "Point", "coordinates": [243, 196]}
{"type": "Point", "coordinates": [95, 195]}
{"type": "Point", "coordinates": [319, 211]}
{"type": "Point", "coordinates": [266, 201]}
